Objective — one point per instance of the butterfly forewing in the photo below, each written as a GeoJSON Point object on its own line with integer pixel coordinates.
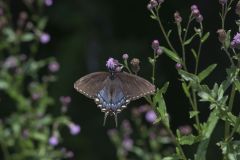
{"type": "Point", "coordinates": [91, 84]}
{"type": "Point", "coordinates": [134, 86]}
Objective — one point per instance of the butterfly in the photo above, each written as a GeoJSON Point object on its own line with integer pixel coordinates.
{"type": "Point", "coordinates": [112, 91]}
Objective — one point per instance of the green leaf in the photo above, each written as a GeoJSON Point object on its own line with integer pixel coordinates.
{"type": "Point", "coordinates": [171, 54]}
{"type": "Point", "coordinates": [189, 40]}
{"type": "Point", "coordinates": [228, 39]}
{"type": "Point", "coordinates": [205, 73]}
{"type": "Point", "coordinates": [169, 32]}
{"type": "Point", "coordinates": [205, 37]}
{"type": "Point", "coordinates": [188, 76]}
{"type": "Point", "coordinates": [193, 113]}
{"type": "Point", "coordinates": [187, 140]}
{"type": "Point", "coordinates": [27, 37]}
{"type": "Point", "coordinates": [207, 131]}
{"type": "Point", "coordinates": [153, 17]}
{"type": "Point", "coordinates": [159, 101]}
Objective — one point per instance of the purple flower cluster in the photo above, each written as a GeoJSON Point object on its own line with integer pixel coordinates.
{"type": "Point", "coordinates": [236, 41]}
{"type": "Point", "coordinates": [156, 47]}
{"type": "Point", "coordinates": [196, 13]}
{"type": "Point", "coordinates": [154, 3]}
{"type": "Point", "coordinates": [113, 65]}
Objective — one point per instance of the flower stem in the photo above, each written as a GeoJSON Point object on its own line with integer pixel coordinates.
{"type": "Point", "coordinates": [164, 32]}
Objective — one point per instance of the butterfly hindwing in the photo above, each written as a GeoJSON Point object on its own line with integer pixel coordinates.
{"type": "Point", "coordinates": [134, 86]}
{"type": "Point", "coordinates": [91, 84]}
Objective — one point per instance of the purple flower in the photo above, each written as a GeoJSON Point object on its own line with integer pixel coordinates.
{"type": "Point", "coordinates": [53, 66]}
{"type": "Point", "coordinates": [151, 116]}
{"type": "Point", "coordinates": [36, 96]}
{"type": "Point", "coordinates": [236, 41]}
{"type": "Point", "coordinates": [155, 45]}
{"type": "Point", "coordinates": [74, 128]}
{"type": "Point", "coordinates": [127, 144]}
{"type": "Point", "coordinates": [53, 140]}
{"type": "Point", "coordinates": [185, 130]}
{"type": "Point", "coordinates": [10, 62]}
{"type": "Point", "coordinates": [48, 2]}
{"type": "Point", "coordinates": [45, 38]}
{"type": "Point", "coordinates": [112, 64]}
{"type": "Point", "coordinates": [125, 56]}
{"type": "Point", "coordinates": [65, 100]}
{"type": "Point", "coordinates": [178, 66]}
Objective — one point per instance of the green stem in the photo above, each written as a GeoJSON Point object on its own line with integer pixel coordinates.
{"type": "Point", "coordinates": [126, 66]}
{"type": "Point", "coordinates": [154, 68]}
{"type": "Point", "coordinates": [229, 55]}
{"type": "Point", "coordinates": [164, 32]}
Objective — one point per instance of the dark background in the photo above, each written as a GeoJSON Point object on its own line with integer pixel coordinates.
{"type": "Point", "coordinates": [86, 32]}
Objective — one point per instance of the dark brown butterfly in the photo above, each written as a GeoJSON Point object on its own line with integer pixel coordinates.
{"type": "Point", "coordinates": [112, 91]}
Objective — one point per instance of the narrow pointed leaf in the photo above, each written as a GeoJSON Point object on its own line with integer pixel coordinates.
{"type": "Point", "coordinates": [205, 37]}
{"type": "Point", "coordinates": [171, 54]}
{"type": "Point", "coordinates": [205, 73]}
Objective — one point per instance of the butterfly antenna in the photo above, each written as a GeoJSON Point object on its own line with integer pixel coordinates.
{"type": "Point", "coordinates": [105, 117]}
{"type": "Point", "coordinates": [116, 119]}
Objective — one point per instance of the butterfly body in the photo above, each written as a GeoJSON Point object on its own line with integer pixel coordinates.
{"type": "Point", "coordinates": [112, 91]}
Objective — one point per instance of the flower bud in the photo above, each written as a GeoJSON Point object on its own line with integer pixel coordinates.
{"type": "Point", "coordinates": [177, 17]}
{"type": "Point", "coordinates": [178, 66]}
{"type": "Point", "coordinates": [193, 7]}
{"type": "Point", "coordinates": [135, 65]}
{"type": "Point", "coordinates": [125, 56]}
{"type": "Point", "coordinates": [199, 18]}
{"type": "Point", "coordinates": [154, 3]}
{"type": "Point", "coordinates": [159, 51]}
{"type": "Point", "coordinates": [155, 45]}
{"type": "Point", "coordinates": [222, 35]}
